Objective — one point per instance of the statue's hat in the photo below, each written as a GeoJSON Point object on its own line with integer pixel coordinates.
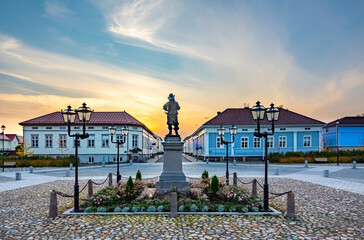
{"type": "Point", "coordinates": [171, 96]}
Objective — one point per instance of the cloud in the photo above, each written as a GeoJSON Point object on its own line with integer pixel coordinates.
{"type": "Point", "coordinates": [56, 10]}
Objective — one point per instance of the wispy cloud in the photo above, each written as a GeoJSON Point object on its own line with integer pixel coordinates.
{"type": "Point", "coordinates": [56, 10]}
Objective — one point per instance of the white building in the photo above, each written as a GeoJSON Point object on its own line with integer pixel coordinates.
{"type": "Point", "coordinates": [47, 135]}
{"type": "Point", "coordinates": [9, 142]}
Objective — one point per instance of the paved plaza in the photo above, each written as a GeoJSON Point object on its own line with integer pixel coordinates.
{"type": "Point", "coordinates": [327, 208]}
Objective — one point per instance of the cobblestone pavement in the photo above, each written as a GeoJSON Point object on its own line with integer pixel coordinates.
{"type": "Point", "coordinates": [323, 213]}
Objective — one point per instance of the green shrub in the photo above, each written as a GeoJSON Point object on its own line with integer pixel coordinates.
{"type": "Point", "coordinates": [135, 209]}
{"type": "Point", "coordinates": [205, 209]}
{"type": "Point", "coordinates": [244, 210]}
{"type": "Point", "coordinates": [160, 208]}
{"type": "Point", "coordinates": [117, 209]}
{"type": "Point", "coordinates": [193, 208]}
{"type": "Point", "coordinates": [151, 209]}
{"type": "Point", "coordinates": [255, 209]}
{"type": "Point", "coordinates": [232, 209]}
{"type": "Point", "coordinates": [221, 208]}
{"type": "Point", "coordinates": [129, 187]}
{"type": "Point", "coordinates": [181, 208]}
{"type": "Point", "coordinates": [90, 209]}
{"type": "Point", "coordinates": [126, 209]}
{"type": "Point", "coordinates": [138, 175]}
{"type": "Point", "coordinates": [215, 185]}
{"type": "Point", "coordinates": [101, 209]}
{"type": "Point", "coordinates": [205, 175]}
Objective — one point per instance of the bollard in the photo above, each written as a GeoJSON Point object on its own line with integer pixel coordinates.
{"type": "Point", "coordinates": [103, 163]}
{"type": "Point", "coordinates": [207, 161]}
{"type": "Point", "coordinates": [290, 205]}
{"type": "Point", "coordinates": [71, 166]}
{"type": "Point", "coordinates": [173, 212]}
{"type": "Point", "coordinates": [254, 188]}
{"type": "Point", "coordinates": [17, 176]}
{"type": "Point", "coordinates": [131, 161]}
{"type": "Point", "coordinates": [53, 210]}
{"type": "Point", "coordinates": [31, 169]}
{"type": "Point", "coordinates": [354, 164]}
{"type": "Point", "coordinates": [306, 164]}
{"type": "Point", "coordinates": [67, 173]}
{"type": "Point", "coordinates": [276, 171]}
{"type": "Point", "coordinates": [234, 161]}
{"type": "Point", "coordinates": [235, 180]}
{"type": "Point", "coordinates": [90, 188]}
{"type": "Point", "coordinates": [110, 179]}
{"type": "Point", "coordinates": [326, 173]}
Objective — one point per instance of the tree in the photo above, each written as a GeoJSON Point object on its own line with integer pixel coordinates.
{"type": "Point", "coordinates": [23, 150]}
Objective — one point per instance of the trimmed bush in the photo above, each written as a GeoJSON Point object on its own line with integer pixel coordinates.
{"type": "Point", "coordinates": [181, 208]}
{"type": "Point", "coordinates": [135, 209]}
{"type": "Point", "coordinates": [193, 208]}
{"type": "Point", "coordinates": [101, 209]}
{"type": "Point", "coordinates": [215, 185]}
{"type": "Point", "coordinates": [205, 209]}
{"type": "Point", "coordinates": [126, 209]}
{"type": "Point", "coordinates": [117, 209]}
{"type": "Point", "coordinates": [151, 209]}
{"type": "Point", "coordinates": [130, 186]}
{"type": "Point", "coordinates": [160, 208]}
{"type": "Point", "coordinates": [221, 208]}
{"type": "Point", "coordinates": [138, 175]}
{"type": "Point", "coordinates": [232, 209]}
{"type": "Point", "coordinates": [90, 209]}
{"type": "Point", "coordinates": [244, 210]}
{"type": "Point", "coordinates": [255, 209]}
{"type": "Point", "coordinates": [205, 175]}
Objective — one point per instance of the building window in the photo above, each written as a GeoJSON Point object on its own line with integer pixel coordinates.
{"type": "Point", "coordinates": [90, 127]}
{"type": "Point", "coordinates": [49, 141]}
{"type": "Point", "coordinates": [76, 127]}
{"type": "Point", "coordinates": [91, 141]}
{"type": "Point", "coordinates": [307, 141]}
{"type": "Point", "coordinates": [48, 127]}
{"type": "Point", "coordinates": [307, 128]}
{"type": "Point", "coordinates": [105, 128]}
{"type": "Point", "coordinates": [218, 143]}
{"type": "Point", "coordinates": [34, 127]}
{"type": "Point", "coordinates": [135, 141]}
{"type": "Point", "coordinates": [35, 140]}
{"type": "Point", "coordinates": [62, 141]}
{"type": "Point", "coordinates": [78, 143]}
{"type": "Point", "coordinates": [244, 130]}
{"type": "Point", "coordinates": [105, 140]}
{"type": "Point", "coordinates": [91, 160]}
{"type": "Point", "coordinates": [62, 127]}
{"type": "Point", "coordinates": [283, 129]}
{"type": "Point", "coordinates": [120, 138]}
{"type": "Point", "coordinates": [282, 141]}
{"type": "Point", "coordinates": [270, 142]}
{"type": "Point", "coordinates": [256, 142]}
{"type": "Point", "coordinates": [244, 142]}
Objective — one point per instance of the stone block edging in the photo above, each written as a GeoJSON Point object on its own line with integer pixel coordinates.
{"type": "Point", "coordinates": [273, 213]}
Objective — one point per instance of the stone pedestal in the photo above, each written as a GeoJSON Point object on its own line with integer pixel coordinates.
{"type": "Point", "coordinates": [172, 175]}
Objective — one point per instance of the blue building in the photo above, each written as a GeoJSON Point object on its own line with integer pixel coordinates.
{"type": "Point", "coordinates": [349, 131]}
{"type": "Point", "coordinates": [293, 132]}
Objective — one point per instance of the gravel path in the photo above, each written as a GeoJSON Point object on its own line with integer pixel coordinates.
{"type": "Point", "coordinates": [323, 213]}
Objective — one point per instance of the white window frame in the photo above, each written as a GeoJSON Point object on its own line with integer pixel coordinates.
{"type": "Point", "coordinates": [257, 142]}
{"type": "Point", "coordinates": [282, 139]}
{"type": "Point", "coordinates": [310, 140]}
{"type": "Point", "coordinates": [135, 140]}
{"type": "Point", "coordinates": [218, 143]}
{"type": "Point", "coordinates": [62, 140]}
{"type": "Point", "coordinates": [105, 141]}
{"type": "Point", "coordinates": [246, 142]}
{"type": "Point", "coordinates": [49, 140]}
{"type": "Point", "coordinates": [35, 140]}
{"type": "Point", "coordinates": [91, 141]}
{"type": "Point", "coordinates": [270, 142]}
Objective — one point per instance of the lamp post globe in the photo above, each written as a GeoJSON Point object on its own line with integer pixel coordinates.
{"type": "Point", "coordinates": [272, 113]}
{"type": "Point", "coordinates": [124, 131]}
{"type": "Point", "coordinates": [233, 130]}
{"type": "Point", "coordinates": [112, 130]}
{"type": "Point", "coordinates": [258, 112]}
{"type": "Point", "coordinates": [3, 127]}
{"type": "Point", "coordinates": [221, 131]}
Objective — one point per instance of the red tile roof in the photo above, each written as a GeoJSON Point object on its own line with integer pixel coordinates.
{"type": "Point", "coordinates": [243, 116]}
{"type": "Point", "coordinates": [97, 118]}
{"type": "Point", "coordinates": [5, 137]}
{"type": "Point", "coordinates": [347, 121]}
{"type": "Point", "coordinates": [11, 136]}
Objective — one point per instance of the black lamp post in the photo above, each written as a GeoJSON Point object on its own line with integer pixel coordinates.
{"type": "Point", "coordinates": [337, 142]}
{"type": "Point", "coordinates": [84, 115]}
{"type": "Point", "coordinates": [112, 132]}
{"type": "Point", "coordinates": [221, 132]}
{"type": "Point", "coordinates": [3, 129]}
{"type": "Point", "coordinates": [258, 113]}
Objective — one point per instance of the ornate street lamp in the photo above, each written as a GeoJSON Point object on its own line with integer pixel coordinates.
{"type": "Point", "coordinates": [112, 132]}
{"type": "Point", "coordinates": [221, 132]}
{"type": "Point", "coordinates": [3, 129]}
{"type": "Point", "coordinates": [84, 115]}
{"type": "Point", "coordinates": [258, 112]}
{"type": "Point", "coordinates": [337, 142]}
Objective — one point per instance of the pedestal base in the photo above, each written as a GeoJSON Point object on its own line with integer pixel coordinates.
{"type": "Point", "coordinates": [172, 175]}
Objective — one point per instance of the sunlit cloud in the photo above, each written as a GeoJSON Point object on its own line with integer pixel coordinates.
{"type": "Point", "coordinates": [56, 10]}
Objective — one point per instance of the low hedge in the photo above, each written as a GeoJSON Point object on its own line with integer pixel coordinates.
{"type": "Point", "coordinates": [41, 161]}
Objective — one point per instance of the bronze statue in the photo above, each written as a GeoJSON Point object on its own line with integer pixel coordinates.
{"type": "Point", "coordinates": [171, 109]}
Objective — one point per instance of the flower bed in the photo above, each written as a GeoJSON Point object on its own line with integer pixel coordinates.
{"type": "Point", "coordinates": [207, 195]}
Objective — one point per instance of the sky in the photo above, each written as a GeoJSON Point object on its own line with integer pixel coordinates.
{"type": "Point", "coordinates": [129, 55]}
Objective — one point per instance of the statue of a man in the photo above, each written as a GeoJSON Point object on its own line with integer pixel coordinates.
{"type": "Point", "coordinates": [171, 109]}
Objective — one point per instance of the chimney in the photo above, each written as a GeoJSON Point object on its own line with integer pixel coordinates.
{"type": "Point", "coordinates": [218, 113]}
{"type": "Point", "coordinates": [246, 105]}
